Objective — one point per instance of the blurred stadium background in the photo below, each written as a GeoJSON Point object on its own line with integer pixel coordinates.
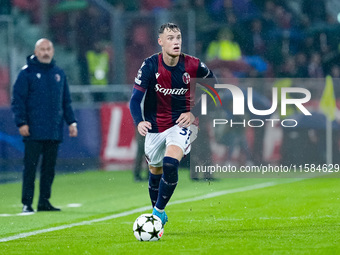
{"type": "Point", "coordinates": [101, 45]}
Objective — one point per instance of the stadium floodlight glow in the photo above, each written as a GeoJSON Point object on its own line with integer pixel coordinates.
{"type": "Point", "coordinates": [238, 100]}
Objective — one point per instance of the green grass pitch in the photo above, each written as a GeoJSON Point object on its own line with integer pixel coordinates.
{"type": "Point", "coordinates": [227, 216]}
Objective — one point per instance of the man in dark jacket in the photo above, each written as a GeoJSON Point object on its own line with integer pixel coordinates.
{"type": "Point", "coordinates": [41, 102]}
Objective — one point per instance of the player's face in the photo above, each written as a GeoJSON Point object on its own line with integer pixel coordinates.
{"type": "Point", "coordinates": [44, 51]}
{"type": "Point", "coordinates": [171, 42]}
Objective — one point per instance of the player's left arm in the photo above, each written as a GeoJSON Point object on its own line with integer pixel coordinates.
{"type": "Point", "coordinates": [203, 72]}
{"type": "Point", "coordinates": [185, 119]}
{"type": "Point", "coordinates": [68, 110]}
{"type": "Point", "coordinates": [67, 107]}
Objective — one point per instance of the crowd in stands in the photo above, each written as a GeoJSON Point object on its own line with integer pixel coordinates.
{"type": "Point", "coordinates": [262, 38]}
{"type": "Point", "coordinates": [269, 37]}
{"type": "Point", "coordinates": [274, 38]}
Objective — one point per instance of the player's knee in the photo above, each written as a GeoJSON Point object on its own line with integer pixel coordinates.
{"type": "Point", "coordinates": [170, 170]}
{"type": "Point", "coordinates": [156, 170]}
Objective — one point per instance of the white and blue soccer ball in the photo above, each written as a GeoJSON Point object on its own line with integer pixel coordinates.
{"type": "Point", "coordinates": [148, 227]}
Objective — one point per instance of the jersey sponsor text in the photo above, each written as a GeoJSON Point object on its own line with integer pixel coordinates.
{"type": "Point", "coordinates": [173, 91]}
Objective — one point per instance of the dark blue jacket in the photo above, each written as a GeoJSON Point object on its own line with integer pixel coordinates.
{"type": "Point", "coordinates": [41, 99]}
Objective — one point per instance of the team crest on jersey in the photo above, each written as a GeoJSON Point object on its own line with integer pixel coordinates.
{"type": "Point", "coordinates": [57, 77]}
{"type": "Point", "coordinates": [186, 78]}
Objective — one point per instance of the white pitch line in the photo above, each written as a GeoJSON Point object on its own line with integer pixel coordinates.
{"type": "Point", "coordinates": [74, 205]}
{"type": "Point", "coordinates": [141, 209]}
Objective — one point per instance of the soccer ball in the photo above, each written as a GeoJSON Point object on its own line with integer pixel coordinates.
{"type": "Point", "coordinates": [148, 227]}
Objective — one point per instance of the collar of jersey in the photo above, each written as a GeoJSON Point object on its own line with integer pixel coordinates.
{"type": "Point", "coordinates": [171, 67]}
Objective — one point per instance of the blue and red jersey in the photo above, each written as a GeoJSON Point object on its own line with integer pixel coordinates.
{"type": "Point", "coordinates": [162, 93]}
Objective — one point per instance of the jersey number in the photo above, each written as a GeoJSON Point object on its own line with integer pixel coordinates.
{"type": "Point", "coordinates": [185, 132]}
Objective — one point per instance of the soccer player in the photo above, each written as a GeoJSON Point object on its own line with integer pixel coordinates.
{"type": "Point", "coordinates": [161, 109]}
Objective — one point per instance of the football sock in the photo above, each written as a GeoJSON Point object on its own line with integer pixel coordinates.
{"type": "Point", "coordinates": [168, 182]}
{"type": "Point", "coordinates": [154, 187]}
{"type": "Point", "coordinates": [159, 210]}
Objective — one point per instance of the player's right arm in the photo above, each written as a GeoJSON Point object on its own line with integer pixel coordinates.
{"type": "Point", "coordinates": [143, 127]}
{"type": "Point", "coordinates": [19, 98]}
{"type": "Point", "coordinates": [141, 85]}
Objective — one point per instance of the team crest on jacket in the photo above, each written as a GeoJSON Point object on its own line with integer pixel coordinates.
{"type": "Point", "coordinates": [186, 78]}
{"type": "Point", "coordinates": [57, 77]}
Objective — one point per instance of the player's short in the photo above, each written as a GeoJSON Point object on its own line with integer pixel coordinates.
{"type": "Point", "coordinates": [156, 143]}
